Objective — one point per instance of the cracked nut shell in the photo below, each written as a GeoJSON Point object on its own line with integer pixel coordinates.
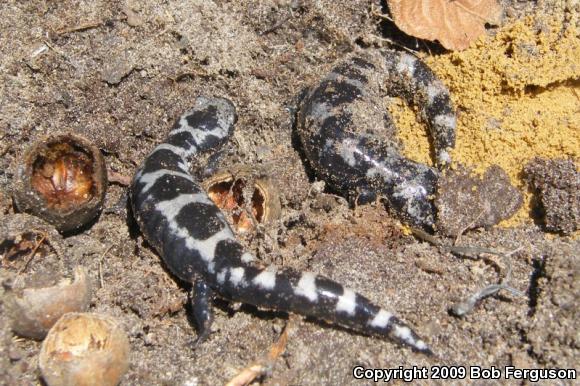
{"type": "Point", "coordinates": [228, 189]}
{"type": "Point", "coordinates": [63, 180]}
{"type": "Point", "coordinates": [84, 349]}
{"type": "Point", "coordinates": [35, 310]}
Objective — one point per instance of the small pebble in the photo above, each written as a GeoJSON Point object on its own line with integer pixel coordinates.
{"type": "Point", "coordinates": [116, 69]}
{"type": "Point", "coordinates": [133, 18]}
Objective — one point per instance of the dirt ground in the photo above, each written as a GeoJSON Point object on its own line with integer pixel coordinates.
{"type": "Point", "coordinates": [120, 73]}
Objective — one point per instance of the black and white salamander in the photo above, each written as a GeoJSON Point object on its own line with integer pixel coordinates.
{"type": "Point", "coordinates": [338, 121]}
{"type": "Point", "coordinates": [191, 233]}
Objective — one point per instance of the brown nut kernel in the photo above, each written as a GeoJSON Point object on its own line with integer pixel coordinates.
{"type": "Point", "coordinates": [62, 180]}
{"type": "Point", "coordinates": [228, 190]}
{"type": "Point", "coordinates": [35, 310]}
{"type": "Point", "coordinates": [84, 349]}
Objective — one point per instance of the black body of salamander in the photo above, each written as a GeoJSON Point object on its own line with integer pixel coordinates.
{"type": "Point", "coordinates": [191, 234]}
{"type": "Point", "coordinates": [338, 122]}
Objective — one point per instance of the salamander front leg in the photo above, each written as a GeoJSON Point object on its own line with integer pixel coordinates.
{"type": "Point", "coordinates": [365, 195]}
{"type": "Point", "coordinates": [201, 298]}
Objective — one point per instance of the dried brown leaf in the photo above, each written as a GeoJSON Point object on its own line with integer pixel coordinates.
{"type": "Point", "coordinates": [454, 23]}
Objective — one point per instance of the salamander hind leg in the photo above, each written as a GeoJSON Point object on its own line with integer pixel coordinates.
{"type": "Point", "coordinates": [201, 304]}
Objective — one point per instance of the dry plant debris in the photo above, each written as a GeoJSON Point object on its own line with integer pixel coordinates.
{"type": "Point", "coordinates": [261, 367]}
{"type": "Point", "coordinates": [455, 24]}
{"type": "Point", "coordinates": [465, 306]}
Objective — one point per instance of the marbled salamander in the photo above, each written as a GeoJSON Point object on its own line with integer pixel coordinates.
{"type": "Point", "coordinates": [338, 121]}
{"type": "Point", "coordinates": [191, 234]}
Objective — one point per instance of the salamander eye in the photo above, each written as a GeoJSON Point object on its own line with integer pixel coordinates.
{"type": "Point", "coordinates": [63, 180]}
{"type": "Point", "coordinates": [232, 190]}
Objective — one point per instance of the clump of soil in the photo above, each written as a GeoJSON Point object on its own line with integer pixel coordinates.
{"type": "Point", "coordinates": [558, 184]}
{"type": "Point", "coordinates": [465, 201]}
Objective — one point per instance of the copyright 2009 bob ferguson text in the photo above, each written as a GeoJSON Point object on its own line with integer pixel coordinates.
{"type": "Point", "coordinates": [408, 374]}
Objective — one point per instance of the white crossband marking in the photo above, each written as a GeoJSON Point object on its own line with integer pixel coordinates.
{"type": "Point", "coordinates": [353, 82]}
{"type": "Point", "coordinates": [445, 121]}
{"type": "Point", "coordinates": [444, 157]}
{"type": "Point", "coordinates": [404, 333]}
{"type": "Point", "coordinates": [347, 150]}
{"type": "Point", "coordinates": [221, 276]}
{"type": "Point", "coordinates": [433, 90]}
{"type": "Point", "coordinates": [171, 208]}
{"type": "Point", "coordinates": [381, 319]}
{"type": "Point", "coordinates": [307, 286]}
{"type": "Point", "coordinates": [266, 279]}
{"type": "Point", "coordinates": [180, 151]}
{"type": "Point", "coordinates": [406, 64]}
{"type": "Point", "coordinates": [347, 302]}
{"type": "Point", "coordinates": [420, 345]}
{"type": "Point", "coordinates": [247, 257]}
{"type": "Point", "coordinates": [206, 248]}
{"type": "Point", "coordinates": [409, 189]}
{"type": "Point", "coordinates": [199, 133]}
{"type": "Point", "coordinates": [237, 276]}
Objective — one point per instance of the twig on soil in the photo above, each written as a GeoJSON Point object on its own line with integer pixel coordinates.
{"type": "Point", "coordinates": [376, 13]}
{"type": "Point", "coordinates": [462, 250]}
{"type": "Point", "coordinates": [466, 306]}
{"type": "Point", "coordinates": [121, 179]}
{"type": "Point", "coordinates": [394, 43]}
{"type": "Point", "coordinates": [422, 235]}
{"type": "Point", "coordinates": [192, 74]}
{"type": "Point", "coordinates": [263, 366]}
{"type": "Point", "coordinates": [62, 54]}
{"type": "Point", "coordinates": [101, 281]}
{"type": "Point", "coordinates": [279, 24]}
{"type": "Point", "coordinates": [33, 252]}
{"type": "Point", "coordinates": [4, 150]}
{"type": "Point", "coordinates": [472, 223]}
{"type": "Point", "coordinates": [82, 27]}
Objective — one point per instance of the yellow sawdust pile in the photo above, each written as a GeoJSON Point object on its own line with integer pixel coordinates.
{"type": "Point", "coordinates": [517, 95]}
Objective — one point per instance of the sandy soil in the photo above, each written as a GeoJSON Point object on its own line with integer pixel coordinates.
{"type": "Point", "coordinates": [119, 74]}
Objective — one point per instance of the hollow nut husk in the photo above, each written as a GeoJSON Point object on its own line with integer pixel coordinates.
{"type": "Point", "coordinates": [34, 311]}
{"type": "Point", "coordinates": [63, 180]}
{"type": "Point", "coordinates": [249, 199]}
